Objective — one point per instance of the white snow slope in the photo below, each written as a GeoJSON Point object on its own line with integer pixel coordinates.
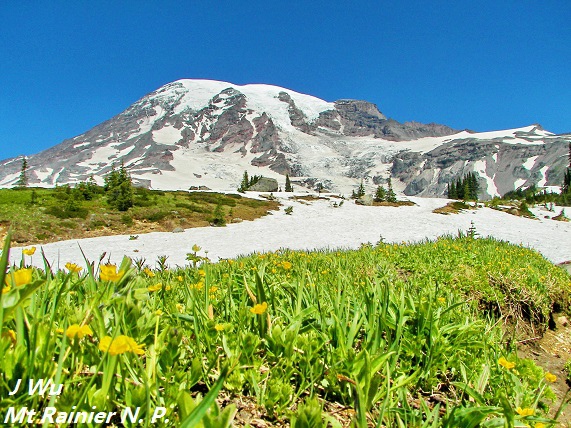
{"type": "Point", "coordinates": [318, 225]}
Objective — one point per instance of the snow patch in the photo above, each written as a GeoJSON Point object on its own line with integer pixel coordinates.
{"type": "Point", "coordinates": [168, 135]}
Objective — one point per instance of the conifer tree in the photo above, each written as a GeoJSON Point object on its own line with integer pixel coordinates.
{"type": "Point", "coordinates": [361, 190]}
{"type": "Point", "coordinates": [452, 193]}
{"type": "Point", "coordinates": [288, 186]}
{"type": "Point", "coordinates": [380, 194]}
{"type": "Point", "coordinates": [244, 183]}
{"type": "Point", "coordinates": [391, 196]}
{"type": "Point", "coordinates": [566, 188]}
{"type": "Point", "coordinates": [23, 180]}
{"type": "Point", "coordinates": [119, 189]}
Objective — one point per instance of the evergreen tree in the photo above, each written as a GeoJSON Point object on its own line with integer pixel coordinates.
{"type": "Point", "coordinates": [566, 188]}
{"type": "Point", "coordinates": [119, 189]}
{"type": "Point", "coordinates": [391, 196]}
{"type": "Point", "coordinates": [473, 186]}
{"type": "Point", "coordinates": [23, 180]}
{"type": "Point", "coordinates": [244, 183]}
{"type": "Point", "coordinates": [380, 194]}
{"type": "Point", "coordinates": [459, 189]}
{"type": "Point", "coordinates": [288, 186]}
{"type": "Point", "coordinates": [218, 216]}
{"type": "Point", "coordinates": [361, 190]}
{"type": "Point", "coordinates": [453, 192]}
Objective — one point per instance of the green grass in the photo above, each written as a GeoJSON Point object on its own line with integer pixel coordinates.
{"type": "Point", "coordinates": [400, 335]}
{"type": "Point", "coordinates": [48, 218]}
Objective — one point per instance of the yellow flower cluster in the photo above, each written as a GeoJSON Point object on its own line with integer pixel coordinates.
{"type": "Point", "coordinates": [29, 251]}
{"type": "Point", "coordinates": [505, 363]}
{"type": "Point", "coordinates": [72, 267]}
{"type": "Point", "coordinates": [524, 412]}
{"type": "Point", "coordinates": [155, 287]}
{"type": "Point", "coordinates": [149, 272]}
{"type": "Point", "coordinates": [75, 330]}
{"type": "Point", "coordinates": [120, 345]}
{"type": "Point", "coordinates": [550, 377]}
{"type": "Point", "coordinates": [17, 278]}
{"type": "Point", "coordinates": [198, 286]}
{"type": "Point", "coordinates": [259, 308]}
{"type": "Point", "coordinates": [108, 272]}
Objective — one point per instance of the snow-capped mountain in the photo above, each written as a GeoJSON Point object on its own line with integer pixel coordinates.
{"type": "Point", "coordinates": [207, 133]}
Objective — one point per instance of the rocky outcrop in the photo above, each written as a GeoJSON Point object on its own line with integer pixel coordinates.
{"type": "Point", "coordinates": [265, 184]}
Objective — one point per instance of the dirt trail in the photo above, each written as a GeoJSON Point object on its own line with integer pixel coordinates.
{"type": "Point", "coordinates": [551, 352]}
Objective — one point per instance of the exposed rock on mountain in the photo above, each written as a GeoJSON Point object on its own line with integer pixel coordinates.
{"type": "Point", "coordinates": [193, 133]}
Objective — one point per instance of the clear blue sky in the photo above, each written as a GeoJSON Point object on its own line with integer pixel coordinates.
{"type": "Point", "coordinates": [67, 66]}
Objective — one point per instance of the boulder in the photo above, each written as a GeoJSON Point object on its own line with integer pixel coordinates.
{"type": "Point", "coordinates": [365, 200]}
{"type": "Point", "coordinates": [178, 230]}
{"type": "Point", "coordinates": [265, 185]}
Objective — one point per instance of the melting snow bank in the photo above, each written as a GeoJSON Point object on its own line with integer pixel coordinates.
{"type": "Point", "coordinates": [316, 224]}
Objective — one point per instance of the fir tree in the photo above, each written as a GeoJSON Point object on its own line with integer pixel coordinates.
{"type": "Point", "coordinates": [566, 188]}
{"type": "Point", "coordinates": [391, 196]}
{"type": "Point", "coordinates": [23, 180]}
{"type": "Point", "coordinates": [288, 186]}
{"type": "Point", "coordinates": [244, 183]}
{"type": "Point", "coordinates": [361, 190]}
{"type": "Point", "coordinates": [380, 194]}
{"type": "Point", "coordinates": [452, 194]}
{"type": "Point", "coordinates": [119, 189]}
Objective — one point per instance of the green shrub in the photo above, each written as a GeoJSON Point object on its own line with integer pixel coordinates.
{"type": "Point", "coordinates": [127, 220]}
{"type": "Point", "coordinates": [63, 213]}
{"type": "Point", "coordinates": [156, 215]}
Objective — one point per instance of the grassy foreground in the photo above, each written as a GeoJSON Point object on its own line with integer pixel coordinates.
{"type": "Point", "coordinates": [417, 335]}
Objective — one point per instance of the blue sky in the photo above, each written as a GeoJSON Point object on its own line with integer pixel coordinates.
{"type": "Point", "coordinates": [68, 66]}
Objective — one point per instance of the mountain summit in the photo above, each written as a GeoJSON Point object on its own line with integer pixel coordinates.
{"type": "Point", "coordinates": [207, 133]}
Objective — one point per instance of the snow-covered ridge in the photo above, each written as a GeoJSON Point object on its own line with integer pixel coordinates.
{"type": "Point", "coordinates": [193, 132]}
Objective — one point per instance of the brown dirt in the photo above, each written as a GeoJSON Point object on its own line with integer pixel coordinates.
{"type": "Point", "coordinates": [551, 352]}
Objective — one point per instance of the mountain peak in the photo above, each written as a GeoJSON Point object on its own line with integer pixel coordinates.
{"type": "Point", "coordinates": [197, 132]}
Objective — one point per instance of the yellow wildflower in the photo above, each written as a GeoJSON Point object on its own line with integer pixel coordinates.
{"type": "Point", "coordinates": [155, 287]}
{"type": "Point", "coordinates": [550, 377]}
{"type": "Point", "coordinates": [219, 327]}
{"type": "Point", "coordinates": [10, 334]}
{"type": "Point", "coordinates": [120, 345]}
{"type": "Point", "coordinates": [168, 287]}
{"type": "Point", "coordinates": [180, 307]}
{"type": "Point", "coordinates": [198, 286]}
{"type": "Point", "coordinates": [59, 330]}
{"type": "Point", "coordinates": [18, 277]}
{"type": "Point", "coordinates": [108, 272]}
{"type": "Point", "coordinates": [286, 265]}
{"type": "Point", "coordinates": [259, 309]}
{"type": "Point", "coordinates": [213, 289]}
{"type": "Point", "coordinates": [505, 363]}
{"type": "Point", "coordinates": [75, 330]}
{"type": "Point", "coordinates": [5, 289]}
{"type": "Point", "coordinates": [158, 312]}
{"type": "Point", "coordinates": [201, 273]}
{"type": "Point", "coordinates": [29, 251]}
{"type": "Point", "coordinates": [540, 425]}
{"type": "Point", "coordinates": [72, 267]}
{"type": "Point", "coordinates": [179, 278]}
{"type": "Point", "coordinates": [195, 248]}
{"type": "Point", "coordinates": [441, 300]}
{"type": "Point", "coordinates": [149, 272]}
{"type": "Point", "coordinates": [524, 412]}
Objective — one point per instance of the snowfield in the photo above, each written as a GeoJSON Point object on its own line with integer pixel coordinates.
{"type": "Point", "coordinates": [317, 224]}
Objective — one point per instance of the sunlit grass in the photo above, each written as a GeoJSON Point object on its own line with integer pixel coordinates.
{"type": "Point", "coordinates": [404, 335]}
